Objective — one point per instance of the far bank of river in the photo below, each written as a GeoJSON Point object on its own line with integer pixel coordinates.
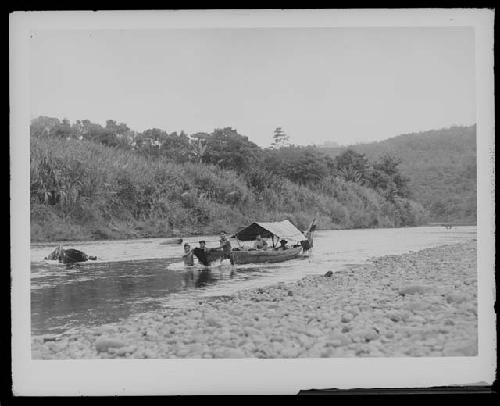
{"type": "Point", "coordinates": [139, 235]}
{"type": "Point", "coordinates": [416, 304]}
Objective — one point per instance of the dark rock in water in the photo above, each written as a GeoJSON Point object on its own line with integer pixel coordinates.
{"type": "Point", "coordinates": [69, 255]}
{"type": "Point", "coordinates": [328, 274]}
{"type": "Point", "coordinates": [290, 293]}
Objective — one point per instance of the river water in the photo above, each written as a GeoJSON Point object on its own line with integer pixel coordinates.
{"type": "Point", "coordinates": [137, 276]}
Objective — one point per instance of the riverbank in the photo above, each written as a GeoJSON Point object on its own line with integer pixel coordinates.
{"type": "Point", "coordinates": [148, 232]}
{"type": "Point", "coordinates": [417, 304]}
{"type": "Point", "coordinates": [84, 190]}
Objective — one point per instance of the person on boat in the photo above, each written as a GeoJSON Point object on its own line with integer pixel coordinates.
{"type": "Point", "coordinates": [259, 243]}
{"type": "Point", "coordinates": [188, 256]}
{"type": "Point", "coordinates": [308, 243]}
{"type": "Point", "coordinates": [283, 245]}
{"type": "Point", "coordinates": [69, 255]}
{"type": "Point", "coordinates": [225, 245]}
{"type": "Point", "coordinates": [309, 237]}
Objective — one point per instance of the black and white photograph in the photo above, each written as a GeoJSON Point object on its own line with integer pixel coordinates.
{"type": "Point", "coordinates": [288, 186]}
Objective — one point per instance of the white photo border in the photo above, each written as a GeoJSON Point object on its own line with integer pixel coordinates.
{"type": "Point", "coordinates": [244, 376]}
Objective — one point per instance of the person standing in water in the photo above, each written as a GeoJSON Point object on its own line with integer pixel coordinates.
{"type": "Point", "coordinates": [188, 255]}
{"type": "Point", "coordinates": [225, 245]}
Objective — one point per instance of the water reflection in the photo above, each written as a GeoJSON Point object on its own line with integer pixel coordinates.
{"type": "Point", "coordinates": [197, 278]}
{"type": "Point", "coordinates": [67, 296]}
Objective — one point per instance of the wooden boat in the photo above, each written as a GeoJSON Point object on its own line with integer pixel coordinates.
{"type": "Point", "coordinates": [172, 241]}
{"type": "Point", "coordinates": [276, 231]}
{"type": "Point", "coordinates": [264, 256]}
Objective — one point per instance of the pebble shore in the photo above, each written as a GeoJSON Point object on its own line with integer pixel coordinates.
{"type": "Point", "coordinates": [413, 305]}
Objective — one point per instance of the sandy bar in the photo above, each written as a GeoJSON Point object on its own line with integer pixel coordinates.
{"type": "Point", "coordinates": [417, 304]}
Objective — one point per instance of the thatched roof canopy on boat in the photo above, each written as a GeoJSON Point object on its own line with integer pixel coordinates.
{"type": "Point", "coordinates": [281, 229]}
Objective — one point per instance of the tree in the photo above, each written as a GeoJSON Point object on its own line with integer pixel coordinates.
{"type": "Point", "coordinates": [176, 147]}
{"type": "Point", "coordinates": [230, 150]}
{"type": "Point", "coordinates": [62, 129]}
{"type": "Point", "coordinates": [90, 131]}
{"type": "Point", "coordinates": [199, 146]}
{"type": "Point", "coordinates": [280, 139]}
{"type": "Point", "coordinates": [303, 165]}
{"type": "Point", "coordinates": [386, 178]}
{"type": "Point", "coordinates": [115, 128]}
{"type": "Point", "coordinates": [351, 166]}
{"type": "Point", "coordinates": [43, 126]}
{"type": "Point", "coordinates": [149, 142]}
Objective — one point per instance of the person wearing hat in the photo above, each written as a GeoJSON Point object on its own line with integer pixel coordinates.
{"type": "Point", "coordinates": [188, 255]}
{"type": "Point", "coordinates": [283, 245]}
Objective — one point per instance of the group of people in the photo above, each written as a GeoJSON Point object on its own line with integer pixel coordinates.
{"type": "Point", "coordinates": [261, 244]}
{"type": "Point", "coordinates": [206, 255]}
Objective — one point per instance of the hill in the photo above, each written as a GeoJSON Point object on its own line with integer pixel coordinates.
{"type": "Point", "coordinates": [82, 189]}
{"type": "Point", "coordinates": [440, 165]}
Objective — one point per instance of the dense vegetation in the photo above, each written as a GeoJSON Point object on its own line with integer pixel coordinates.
{"type": "Point", "coordinates": [440, 166]}
{"type": "Point", "coordinates": [93, 182]}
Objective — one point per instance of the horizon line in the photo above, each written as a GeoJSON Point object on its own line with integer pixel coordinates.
{"type": "Point", "coordinates": [324, 142]}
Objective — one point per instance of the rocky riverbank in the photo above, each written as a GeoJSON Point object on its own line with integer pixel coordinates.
{"type": "Point", "coordinates": [418, 304]}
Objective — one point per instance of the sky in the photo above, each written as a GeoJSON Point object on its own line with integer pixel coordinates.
{"type": "Point", "coordinates": [344, 85]}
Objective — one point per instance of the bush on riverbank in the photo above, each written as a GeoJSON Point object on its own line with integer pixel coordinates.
{"type": "Point", "coordinates": [84, 190]}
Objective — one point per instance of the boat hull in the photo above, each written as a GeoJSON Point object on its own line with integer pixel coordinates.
{"type": "Point", "coordinates": [267, 256]}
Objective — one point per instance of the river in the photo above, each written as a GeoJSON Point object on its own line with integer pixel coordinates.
{"type": "Point", "coordinates": [137, 276]}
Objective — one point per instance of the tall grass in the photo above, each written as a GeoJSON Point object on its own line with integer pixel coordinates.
{"type": "Point", "coordinates": [84, 190]}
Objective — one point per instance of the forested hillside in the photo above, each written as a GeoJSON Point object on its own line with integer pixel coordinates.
{"type": "Point", "coordinates": [440, 166]}
{"type": "Point", "coordinates": [93, 182]}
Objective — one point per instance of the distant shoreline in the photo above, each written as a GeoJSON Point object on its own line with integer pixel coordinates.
{"type": "Point", "coordinates": [215, 232]}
